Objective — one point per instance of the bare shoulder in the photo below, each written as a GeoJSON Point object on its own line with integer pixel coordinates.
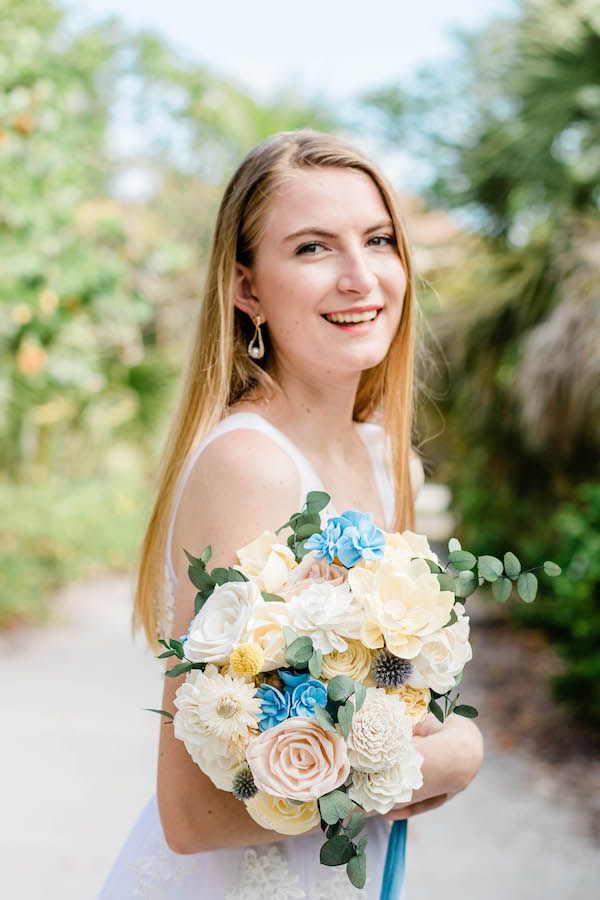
{"type": "Point", "coordinates": [241, 484]}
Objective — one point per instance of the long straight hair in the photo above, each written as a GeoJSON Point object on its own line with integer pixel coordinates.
{"type": "Point", "coordinates": [220, 372]}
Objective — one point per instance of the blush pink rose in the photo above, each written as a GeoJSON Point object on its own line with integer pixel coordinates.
{"type": "Point", "coordinates": [298, 759]}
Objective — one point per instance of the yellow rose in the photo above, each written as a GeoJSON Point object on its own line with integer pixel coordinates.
{"type": "Point", "coordinates": [355, 662]}
{"type": "Point", "coordinates": [266, 561]}
{"type": "Point", "coordinates": [280, 815]}
{"type": "Point", "coordinates": [416, 700]}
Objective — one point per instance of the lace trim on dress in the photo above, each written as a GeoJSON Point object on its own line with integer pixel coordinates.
{"type": "Point", "coordinates": [266, 876]}
{"type": "Point", "coordinates": [163, 868]}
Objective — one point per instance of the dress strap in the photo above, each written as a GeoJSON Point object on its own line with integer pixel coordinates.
{"type": "Point", "coordinates": [308, 477]}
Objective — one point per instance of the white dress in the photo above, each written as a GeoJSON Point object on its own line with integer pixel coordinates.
{"type": "Point", "coordinates": [146, 868]}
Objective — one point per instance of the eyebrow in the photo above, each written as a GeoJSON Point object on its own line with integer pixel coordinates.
{"type": "Point", "coordinates": [330, 234]}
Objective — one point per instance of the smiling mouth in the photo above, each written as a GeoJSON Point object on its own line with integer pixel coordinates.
{"type": "Point", "coordinates": [348, 320]}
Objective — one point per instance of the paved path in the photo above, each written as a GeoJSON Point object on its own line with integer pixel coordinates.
{"type": "Point", "coordinates": [78, 764]}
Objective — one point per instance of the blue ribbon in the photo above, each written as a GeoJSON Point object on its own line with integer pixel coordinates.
{"type": "Point", "coordinates": [393, 873]}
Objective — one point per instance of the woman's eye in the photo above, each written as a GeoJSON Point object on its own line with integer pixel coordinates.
{"type": "Point", "coordinates": [385, 237]}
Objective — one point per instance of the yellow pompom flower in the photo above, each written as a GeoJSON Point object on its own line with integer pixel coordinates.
{"type": "Point", "coordinates": [246, 660]}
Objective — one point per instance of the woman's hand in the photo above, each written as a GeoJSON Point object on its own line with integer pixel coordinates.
{"type": "Point", "coordinates": [459, 740]}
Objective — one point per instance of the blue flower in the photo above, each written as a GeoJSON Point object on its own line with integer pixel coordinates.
{"type": "Point", "coordinates": [306, 696]}
{"type": "Point", "coordinates": [183, 638]}
{"type": "Point", "coordinates": [275, 706]}
{"type": "Point", "coordinates": [325, 542]}
{"type": "Point", "coordinates": [360, 538]}
{"type": "Point", "coordinates": [292, 679]}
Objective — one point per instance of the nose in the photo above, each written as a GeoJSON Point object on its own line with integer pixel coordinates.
{"type": "Point", "coordinates": [357, 275]}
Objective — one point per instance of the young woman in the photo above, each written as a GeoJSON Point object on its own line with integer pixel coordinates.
{"type": "Point", "coordinates": [300, 378]}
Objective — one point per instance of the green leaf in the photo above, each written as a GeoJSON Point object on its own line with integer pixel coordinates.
{"type": "Point", "coordinates": [356, 867]}
{"type": "Point", "coordinates": [465, 583]}
{"type": "Point", "coordinates": [355, 824]}
{"type": "Point", "coordinates": [299, 651]}
{"type": "Point", "coordinates": [323, 718]}
{"type": "Point", "coordinates": [178, 670]}
{"type": "Point", "coordinates": [436, 709]}
{"type": "Point", "coordinates": [200, 578]}
{"type": "Point", "coordinates": [447, 582]}
{"type": "Point", "coordinates": [502, 589]}
{"type": "Point", "coordinates": [458, 679]}
{"type": "Point", "coordinates": [527, 585]}
{"type": "Point", "coordinates": [272, 598]}
{"type": "Point", "coordinates": [512, 566]}
{"type": "Point", "coordinates": [360, 692]}
{"type": "Point", "coordinates": [178, 648]}
{"type": "Point", "coordinates": [306, 530]}
{"type": "Point", "coordinates": [161, 712]}
{"type": "Point", "coordinates": [166, 653]}
{"type": "Point", "coordinates": [316, 501]}
{"type": "Point", "coordinates": [195, 560]}
{"type": "Point", "coordinates": [489, 567]}
{"type": "Point", "coordinates": [315, 663]}
{"type": "Point", "coordinates": [334, 806]}
{"type": "Point", "coordinates": [339, 688]}
{"type": "Point", "coordinates": [551, 568]}
{"type": "Point", "coordinates": [336, 851]}
{"type": "Point", "coordinates": [433, 566]}
{"type": "Point", "coordinates": [360, 847]}
{"type": "Point", "coordinates": [454, 545]}
{"type": "Point", "coordinates": [289, 635]}
{"type": "Point", "coordinates": [464, 710]}
{"type": "Point", "coordinates": [201, 598]}
{"type": "Point", "coordinates": [344, 717]}
{"type": "Point", "coordinates": [332, 830]}
{"type": "Point", "coordinates": [461, 559]}
{"type": "Point", "coordinates": [164, 643]}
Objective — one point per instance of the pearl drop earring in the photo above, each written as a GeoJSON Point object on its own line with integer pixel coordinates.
{"type": "Point", "coordinates": [256, 352]}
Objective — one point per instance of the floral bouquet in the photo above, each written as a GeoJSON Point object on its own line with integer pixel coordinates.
{"type": "Point", "coordinates": [309, 663]}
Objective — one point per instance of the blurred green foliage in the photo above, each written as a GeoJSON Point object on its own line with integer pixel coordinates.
{"type": "Point", "coordinates": [98, 286]}
{"type": "Point", "coordinates": [513, 137]}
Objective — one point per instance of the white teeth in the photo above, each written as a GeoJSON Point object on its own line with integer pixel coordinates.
{"type": "Point", "coordinates": [354, 317]}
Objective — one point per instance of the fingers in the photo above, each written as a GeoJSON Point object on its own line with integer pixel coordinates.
{"type": "Point", "coordinates": [414, 809]}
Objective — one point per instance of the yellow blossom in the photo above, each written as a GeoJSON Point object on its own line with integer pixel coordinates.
{"type": "Point", "coordinates": [416, 700]}
{"type": "Point", "coordinates": [247, 659]}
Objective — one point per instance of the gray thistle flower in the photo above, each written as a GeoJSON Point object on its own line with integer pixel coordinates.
{"type": "Point", "coordinates": [243, 784]}
{"type": "Point", "coordinates": [390, 671]}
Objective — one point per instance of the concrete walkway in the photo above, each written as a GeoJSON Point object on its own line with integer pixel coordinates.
{"type": "Point", "coordinates": [79, 756]}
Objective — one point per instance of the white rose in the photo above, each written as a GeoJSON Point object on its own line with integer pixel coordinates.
{"type": "Point", "coordinates": [266, 561]}
{"type": "Point", "coordinates": [325, 612]}
{"type": "Point", "coordinates": [218, 763]}
{"type": "Point", "coordinates": [380, 733]}
{"type": "Point", "coordinates": [402, 605]}
{"type": "Point", "coordinates": [222, 622]}
{"type": "Point", "coordinates": [381, 790]}
{"type": "Point", "coordinates": [265, 628]}
{"type": "Point", "coordinates": [443, 655]}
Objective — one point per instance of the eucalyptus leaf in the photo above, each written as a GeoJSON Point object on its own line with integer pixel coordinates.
{"type": "Point", "coordinates": [334, 806]}
{"type": "Point", "coordinates": [527, 585]}
{"type": "Point", "coordinates": [454, 544]}
{"type": "Point", "coordinates": [355, 823]}
{"type": "Point", "coordinates": [512, 566]}
{"type": "Point", "coordinates": [177, 646]}
{"type": "Point", "coordinates": [317, 500]}
{"type": "Point", "coordinates": [551, 568]}
{"type": "Point", "coordinates": [436, 709]}
{"type": "Point", "coordinates": [465, 583]}
{"type": "Point", "coordinates": [166, 654]}
{"type": "Point", "coordinates": [340, 687]}
{"type": "Point", "coordinates": [433, 566]}
{"type": "Point", "coordinates": [453, 618]}
{"type": "Point", "coordinates": [332, 830]}
{"type": "Point", "coordinates": [461, 559]}
{"type": "Point", "coordinates": [502, 589]}
{"type": "Point", "coordinates": [289, 634]}
{"type": "Point", "coordinates": [272, 598]}
{"type": "Point", "coordinates": [178, 670]}
{"type": "Point", "coordinates": [468, 712]}
{"type": "Point", "coordinates": [356, 868]}
{"type": "Point", "coordinates": [194, 560]}
{"type": "Point", "coordinates": [315, 663]}
{"type": "Point", "coordinates": [360, 847]}
{"type": "Point", "coordinates": [360, 692]}
{"type": "Point", "coordinates": [447, 582]}
{"type": "Point", "coordinates": [336, 851]}
{"type": "Point", "coordinates": [489, 567]}
{"type": "Point", "coordinates": [200, 578]}
{"type": "Point", "coordinates": [306, 530]}
{"type": "Point", "coordinates": [299, 651]}
{"type": "Point", "coordinates": [323, 718]}
{"type": "Point", "coordinates": [344, 717]}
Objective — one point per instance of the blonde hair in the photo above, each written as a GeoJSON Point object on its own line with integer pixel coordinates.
{"type": "Point", "coordinates": [220, 372]}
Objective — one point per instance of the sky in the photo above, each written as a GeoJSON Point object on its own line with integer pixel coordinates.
{"type": "Point", "coordinates": [330, 50]}
{"type": "Point", "coordinates": [333, 47]}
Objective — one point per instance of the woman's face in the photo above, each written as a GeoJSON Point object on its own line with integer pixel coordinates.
{"type": "Point", "coordinates": [345, 260]}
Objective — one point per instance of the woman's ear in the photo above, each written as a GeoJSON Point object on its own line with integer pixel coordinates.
{"type": "Point", "coordinates": [243, 296]}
